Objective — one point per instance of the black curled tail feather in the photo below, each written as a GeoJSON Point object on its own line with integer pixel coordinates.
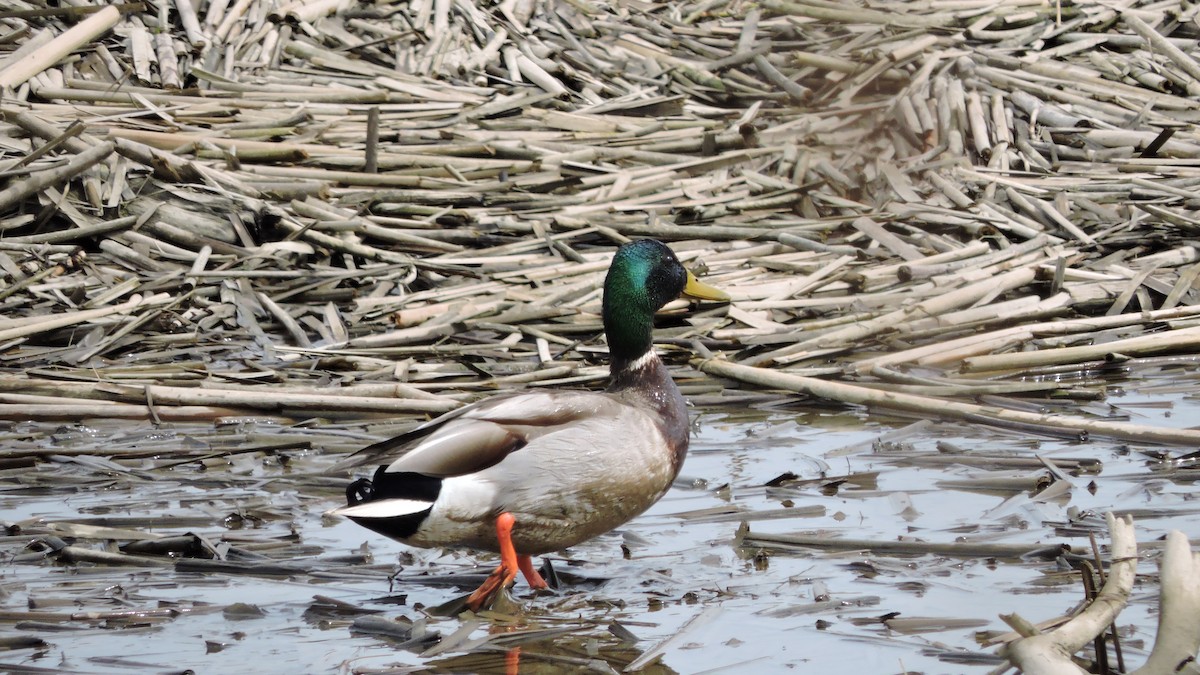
{"type": "Point", "coordinates": [398, 485]}
{"type": "Point", "coordinates": [361, 490]}
{"type": "Point", "coordinates": [404, 485]}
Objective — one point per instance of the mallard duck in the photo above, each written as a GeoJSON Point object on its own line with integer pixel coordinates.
{"type": "Point", "coordinates": [532, 472]}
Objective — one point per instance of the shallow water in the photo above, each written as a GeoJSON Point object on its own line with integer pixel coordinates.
{"type": "Point", "coordinates": [676, 582]}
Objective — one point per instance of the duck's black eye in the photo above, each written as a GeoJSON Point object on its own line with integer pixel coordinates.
{"type": "Point", "coordinates": [359, 491]}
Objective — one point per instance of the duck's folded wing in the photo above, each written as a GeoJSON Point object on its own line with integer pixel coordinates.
{"type": "Point", "coordinates": [480, 435]}
{"type": "Point", "coordinates": [459, 447]}
{"type": "Point", "coordinates": [388, 448]}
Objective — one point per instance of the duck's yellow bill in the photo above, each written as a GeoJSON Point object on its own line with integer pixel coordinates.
{"type": "Point", "coordinates": [702, 291]}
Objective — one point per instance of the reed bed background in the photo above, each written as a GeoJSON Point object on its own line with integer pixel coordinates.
{"type": "Point", "coordinates": [388, 208]}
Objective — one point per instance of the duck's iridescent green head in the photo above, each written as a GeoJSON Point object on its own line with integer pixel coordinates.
{"type": "Point", "coordinates": [644, 276]}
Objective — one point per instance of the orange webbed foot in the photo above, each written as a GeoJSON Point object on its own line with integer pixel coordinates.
{"type": "Point", "coordinates": [506, 573]}
{"type": "Point", "coordinates": [498, 579]}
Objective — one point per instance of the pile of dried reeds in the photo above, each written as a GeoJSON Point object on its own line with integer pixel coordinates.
{"type": "Point", "coordinates": [343, 209]}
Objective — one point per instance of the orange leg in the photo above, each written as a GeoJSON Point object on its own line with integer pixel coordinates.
{"type": "Point", "coordinates": [509, 564]}
{"type": "Point", "coordinates": [531, 575]}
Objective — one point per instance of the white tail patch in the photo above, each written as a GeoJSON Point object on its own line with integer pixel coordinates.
{"type": "Point", "coordinates": [383, 508]}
